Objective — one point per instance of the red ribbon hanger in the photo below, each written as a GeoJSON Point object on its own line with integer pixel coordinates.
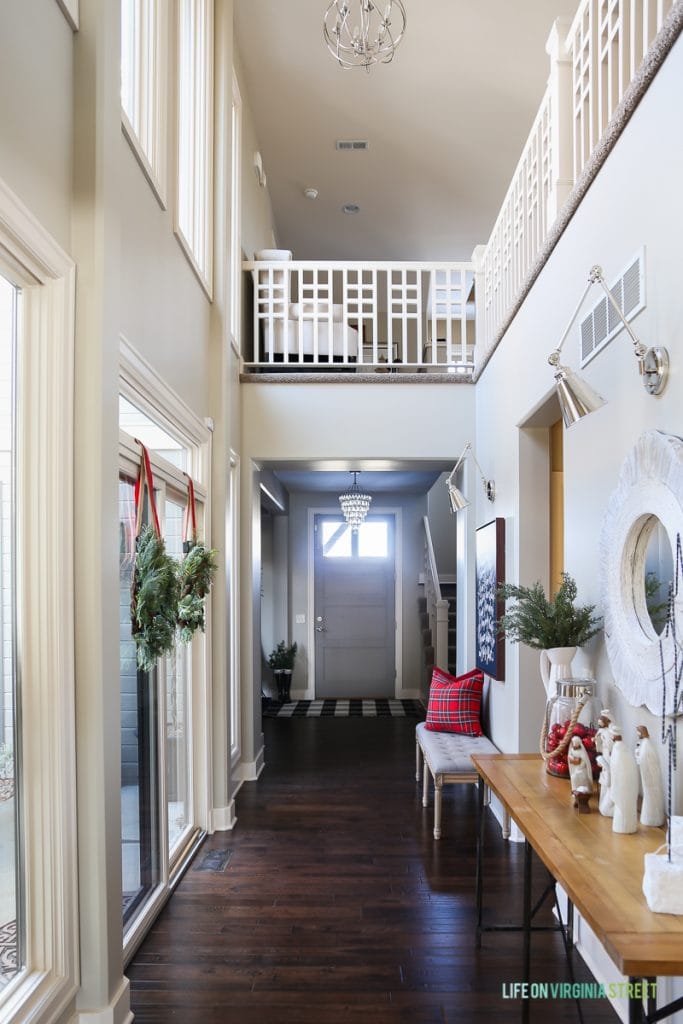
{"type": "Point", "coordinates": [190, 517]}
{"type": "Point", "coordinates": [145, 476]}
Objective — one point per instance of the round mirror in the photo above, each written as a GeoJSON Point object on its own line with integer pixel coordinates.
{"type": "Point", "coordinates": [641, 536]}
{"type": "Point", "coordinates": [658, 571]}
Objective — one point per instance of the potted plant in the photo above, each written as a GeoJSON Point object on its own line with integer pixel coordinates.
{"type": "Point", "coordinates": [556, 626]}
{"type": "Point", "coordinates": [281, 659]}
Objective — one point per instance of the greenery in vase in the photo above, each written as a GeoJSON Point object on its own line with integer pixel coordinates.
{"type": "Point", "coordinates": [282, 656]}
{"type": "Point", "coordinates": [543, 623]}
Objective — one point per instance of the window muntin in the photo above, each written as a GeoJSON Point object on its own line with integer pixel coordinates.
{"type": "Point", "coordinates": [11, 861]}
{"type": "Point", "coordinates": [194, 206]}
{"type": "Point", "coordinates": [144, 31]}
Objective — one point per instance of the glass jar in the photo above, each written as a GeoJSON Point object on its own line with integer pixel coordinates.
{"type": "Point", "coordinates": [571, 712]}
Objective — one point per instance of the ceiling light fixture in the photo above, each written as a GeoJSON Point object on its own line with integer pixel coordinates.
{"type": "Point", "coordinates": [457, 498]}
{"type": "Point", "coordinates": [576, 397]}
{"type": "Point", "coordinates": [370, 37]}
{"type": "Point", "coordinates": [311, 193]}
{"type": "Point", "coordinates": [350, 208]}
{"type": "Point", "coordinates": [354, 504]}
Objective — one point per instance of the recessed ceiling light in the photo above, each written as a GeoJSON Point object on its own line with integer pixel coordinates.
{"type": "Point", "coordinates": [350, 208]}
{"type": "Point", "coordinates": [311, 193]}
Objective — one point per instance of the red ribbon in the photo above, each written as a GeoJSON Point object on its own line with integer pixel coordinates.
{"type": "Point", "coordinates": [145, 474]}
{"type": "Point", "coordinates": [190, 513]}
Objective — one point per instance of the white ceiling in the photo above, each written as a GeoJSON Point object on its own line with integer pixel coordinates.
{"type": "Point", "coordinates": [446, 122]}
{"type": "Point", "coordinates": [374, 482]}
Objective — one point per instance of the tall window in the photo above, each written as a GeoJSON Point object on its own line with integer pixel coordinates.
{"type": "Point", "coordinates": [194, 213]}
{"type": "Point", "coordinates": [144, 33]}
{"type": "Point", "coordinates": [11, 923]}
{"type": "Point", "coordinates": [160, 789]}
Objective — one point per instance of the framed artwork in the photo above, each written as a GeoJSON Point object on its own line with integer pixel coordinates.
{"type": "Point", "coordinates": [490, 573]}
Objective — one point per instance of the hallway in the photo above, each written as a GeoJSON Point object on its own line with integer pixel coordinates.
{"type": "Point", "coordinates": [336, 905]}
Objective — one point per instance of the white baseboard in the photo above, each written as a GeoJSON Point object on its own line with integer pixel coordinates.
{"type": "Point", "coordinates": [223, 819]}
{"type": "Point", "coordinates": [116, 1012]}
{"type": "Point", "coordinates": [496, 809]}
{"type": "Point", "coordinates": [249, 771]}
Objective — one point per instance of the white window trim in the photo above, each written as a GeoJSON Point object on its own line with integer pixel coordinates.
{"type": "Point", "coordinates": [70, 11]}
{"type": "Point", "coordinates": [145, 388]}
{"type": "Point", "coordinates": [233, 576]}
{"type": "Point", "coordinates": [236, 218]}
{"type": "Point", "coordinates": [45, 613]}
{"type": "Point", "coordinates": [198, 250]}
{"type": "Point", "coordinates": [151, 62]}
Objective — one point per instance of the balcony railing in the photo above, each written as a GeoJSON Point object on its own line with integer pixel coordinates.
{"type": "Point", "coordinates": [397, 317]}
{"type": "Point", "coordinates": [592, 63]}
{"type": "Point", "coordinates": [447, 316]}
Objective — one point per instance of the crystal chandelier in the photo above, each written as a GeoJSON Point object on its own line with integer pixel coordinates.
{"type": "Point", "coordinates": [355, 505]}
{"type": "Point", "coordinates": [371, 38]}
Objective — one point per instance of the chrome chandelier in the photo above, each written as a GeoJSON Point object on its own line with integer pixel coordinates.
{"type": "Point", "coordinates": [366, 38]}
{"type": "Point", "coordinates": [355, 505]}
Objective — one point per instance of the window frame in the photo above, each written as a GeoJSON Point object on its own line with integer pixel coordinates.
{"type": "Point", "coordinates": [196, 90]}
{"type": "Point", "coordinates": [147, 132]}
{"type": "Point", "coordinates": [236, 218]}
{"type": "Point", "coordinates": [45, 602]}
{"type": "Point", "coordinates": [140, 383]}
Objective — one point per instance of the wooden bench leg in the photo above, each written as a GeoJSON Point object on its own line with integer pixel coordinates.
{"type": "Point", "coordinates": [438, 790]}
{"type": "Point", "coordinates": [425, 786]}
{"type": "Point", "coordinates": [418, 759]}
{"type": "Point", "coordinates": [506, 825]}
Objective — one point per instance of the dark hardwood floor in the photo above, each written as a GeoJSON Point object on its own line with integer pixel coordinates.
{"type": "Point", "coordinates": [336, 906]}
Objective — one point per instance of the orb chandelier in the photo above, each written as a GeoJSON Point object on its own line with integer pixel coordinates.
{"type": "Point", "coordinates": [355, 505]}
{"type": "Point", "coordinates": [366, 38]}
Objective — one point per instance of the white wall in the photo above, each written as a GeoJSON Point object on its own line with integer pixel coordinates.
{"type": "Point", "coordinates": [443, 527]}
{"type": "Point", "coordinates": [635, 200]}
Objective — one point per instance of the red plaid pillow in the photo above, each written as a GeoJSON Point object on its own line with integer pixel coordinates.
{"type": "Point", "coordinates": [455, 702]}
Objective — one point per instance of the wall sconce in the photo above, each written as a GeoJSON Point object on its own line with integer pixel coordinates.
{"type": "Point", "coordinates": [457, 498]}
{"type": "Point", "coordinates": [576, 397]}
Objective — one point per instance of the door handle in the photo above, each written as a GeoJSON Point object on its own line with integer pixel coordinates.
{"type": "Point", "coordinates": [320, 629]}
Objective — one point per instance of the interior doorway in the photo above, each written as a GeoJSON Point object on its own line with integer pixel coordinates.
{"type": "Point", "coordinates": [355, 607]}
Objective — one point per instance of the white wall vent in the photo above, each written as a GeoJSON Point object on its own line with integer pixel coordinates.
{"type": "Point", "coordinates": [602, 323]}
{"type": "Point", "coordinates": [352, 145]}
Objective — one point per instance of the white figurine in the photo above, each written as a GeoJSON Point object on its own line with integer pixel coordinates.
{"type": "Point", "coordinates": [603, 738]}
{"type": "Point", "coordinates": [605, 803]}
{"type": "Point", "coordinates": [652, 809]}
{"type": "Point", "coordinates": [624, 771]}
{"type": "Point", "coordinates": [580, 773]}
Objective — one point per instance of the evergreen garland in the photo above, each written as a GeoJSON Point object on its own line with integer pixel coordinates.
{"type": "Point", "coordinates": [195, 576]}
{"type": "Point", "coordinates": [155, 597]}
{"type": "Point", "coordinates": [541, 623]}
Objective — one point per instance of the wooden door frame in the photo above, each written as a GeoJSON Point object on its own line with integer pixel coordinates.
{"type": "Point", "coordinates": [382, 510]}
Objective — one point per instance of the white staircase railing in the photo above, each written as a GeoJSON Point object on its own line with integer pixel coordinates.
{"type": "Point", "coordinates": [362, 316]}
{"type": "Point", "coordinates": [593, 61]}
{"type": "Point", "coordinates": [437, 607]}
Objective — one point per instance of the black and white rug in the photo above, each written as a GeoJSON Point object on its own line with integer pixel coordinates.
{"type": "Point", "coordinates": [351, 708]}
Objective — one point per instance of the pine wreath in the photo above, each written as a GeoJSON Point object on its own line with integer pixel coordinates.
{"type": "Point", "coordinates": [155, 598]}
{"type": "Point", "coordinates": [195, 577]}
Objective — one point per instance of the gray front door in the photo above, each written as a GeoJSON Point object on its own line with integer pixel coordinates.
{"type": "Point", "coordinates": [355, 627]}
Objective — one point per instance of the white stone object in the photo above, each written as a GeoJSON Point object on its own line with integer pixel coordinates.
{"type": "Point", "coordinates": [663, 884]}
{"type": "Point", "coordinates": [677, 837]}
{"type": "Point", "coordinates": [652, 809]}
{"type": "Point", "coordinates": [624, 772]}
{"type": "Point", "coordinates": [603, 737]}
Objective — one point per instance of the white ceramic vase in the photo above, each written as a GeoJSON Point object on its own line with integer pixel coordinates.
{"type": "Point", "coordinates": [556, 664]}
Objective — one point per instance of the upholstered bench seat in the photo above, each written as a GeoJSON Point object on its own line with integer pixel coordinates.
{"type": "Point", "coordinates": [447, 755]}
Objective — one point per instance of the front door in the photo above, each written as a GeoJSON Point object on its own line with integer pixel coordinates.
{"type": "Point", "coordinates": [354, 608]}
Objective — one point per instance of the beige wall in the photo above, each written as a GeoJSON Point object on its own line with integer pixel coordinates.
{"type": "Point", "coordinates": [36, 115]}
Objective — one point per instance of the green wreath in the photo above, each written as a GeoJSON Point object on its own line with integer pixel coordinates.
{"type": "Point", "coordinates": [155, 599]}
{"type": "Point", "coordinates": [195, 576]}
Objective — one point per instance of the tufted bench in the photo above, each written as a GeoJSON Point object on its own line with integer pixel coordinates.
{"type": "Point", "coordinates": [447, 756]}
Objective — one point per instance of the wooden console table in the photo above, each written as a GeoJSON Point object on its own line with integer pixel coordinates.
{"type": "Point", "coordinates": [601, 872]}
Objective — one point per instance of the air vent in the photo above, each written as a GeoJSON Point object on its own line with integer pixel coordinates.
{"type": "Point", "coordinates": [352, 145]}
{"type": "Point", "coordinates": [602, 323]}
